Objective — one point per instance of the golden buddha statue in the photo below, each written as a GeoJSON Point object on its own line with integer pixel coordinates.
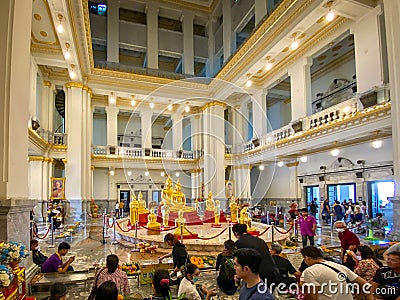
{"type": "Point", "coordinates": [244, 219]}
{"type": "Point", "coordinates": [179, 200]}
{"type": "Point", "coordinates": [153, 224]}
{"type": "Point", "coordinates": [234, 210]}
{"type": "Point", "coordinates": [167, 192]}
{"type": "Point", "coordinates": [216, 213]}
{"type": "Point", "coordinates": [142, 204]}
{"type": "Point", "coordinates": [134, 210]}
{"type": "Point", "coordinates": [210, 206]}
{"type": "Point", "coordinates": [180, 223]}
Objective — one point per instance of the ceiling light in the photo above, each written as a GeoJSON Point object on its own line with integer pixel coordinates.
{"type": "Point", "coordinates": [346, 109]}
{"type": "Point", "coordinates": [111, 98]}
{"type": "Point", "coordinates": [60, 27]}
{"type": "Point", "coordinates": [177, 174]}
{"type": "Point", "coordinates": [111, 172]}
{"type": "Point", "coordinates": [268, 66]}
{"type": "Point", "coordinates": [170, 107]}
{"type": "Point", "coordinates": [249, 82]}
{"type": "Point", "coordinates": [335, 152]}
{"type": "Point", "coordinates": [151, 104]}
{"type": "Point", "coordinates": [162, 174]}
{"type": "Point", "coordinates": [330, 15]}
{"type": "Point", "coordinates": [280, 163]}
{"type": "Point", "coordinates": [67, 54]}
{"type": "Point", "coordinates": [261, 167]}
{"type": "Point", "coordinates": [146, 173]}
{"type": "Point", "coordinates": [133, 102]}
{"type": "Point", "coordinates": [187, 108]}
{"type": "Point", "coordinates": [377, 144]}
{"type": "Point", "coordinates": [129, 173]}
{"type": "Point", "coordinates": [304, 159]}
{"type": "Point", "coordinates": [294, 45]}
{"type": "Point", "coordinates": [72, 73]}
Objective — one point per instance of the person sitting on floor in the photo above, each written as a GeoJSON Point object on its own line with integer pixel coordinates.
{"type": "Point", "coordinates": [58, 291]}
{"type": "Point", "coordinates": [38, 257]}
{"type": "Point", "coordinates": [284, 265]}
{"type": "Point", "coordinates": [107, 291]}
{"type": "Point", "coordinates": [225, 266]}
{"type": "Point", "coordinates": [54, 262]}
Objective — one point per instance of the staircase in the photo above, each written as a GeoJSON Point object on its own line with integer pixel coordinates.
{"type": "Point", "coordinates": [60, 102]}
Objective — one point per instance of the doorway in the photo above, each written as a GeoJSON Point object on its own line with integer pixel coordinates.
{"type": "Point", "coordinates": [341, 191]}
{"type": "Point", "coordinates": [125, 196]}
{"type": "Point", "coordinates": [379, 192]}
{"type": "Point", "coordinates": [311, 193]}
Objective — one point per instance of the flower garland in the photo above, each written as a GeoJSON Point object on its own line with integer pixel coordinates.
{"type": "Point", "coordinates": [6, 276]}
{"type": "Point", "coordinates": [12, 251]}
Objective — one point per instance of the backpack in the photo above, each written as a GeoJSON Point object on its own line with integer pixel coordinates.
{"type": "Point", "coordinates": [226, 270]}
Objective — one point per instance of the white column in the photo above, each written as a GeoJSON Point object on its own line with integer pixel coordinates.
{"type": "Point", "coordinates": [227, 28]}
{"type": "Point", "coordinates": [152, 34]}
{"type": "Point", "coordinates": [76, 168]}
{"type": "Point", "coordinates": [196, 132]}
{"type": "Point", "coordinates": [113, 31]}
{"type": "Point", "coordinates": [392, 22]}
{"type": "Point", "coordinates": [241, 175]}
{"type": "Point", "coordinates": [260, 7]}
{"type": "Point", "coordinates": [112, 125]}
{"type": "Point", "coordinates": [188, 42]}
{"type": "Point", "coordinates": [196, 183]}
{"type": "Point", "coordinates": [146, 128]}
{"type": "Point", "coordinates": [33, 81]}
{"type": "Point", "coordinates": [86, 143]}
{"type": "Point", "coordinates": [47, 108]}
{"type": "Point", "coordinates": [211, 46]}
{"type": "Point", "coordinates": [300, 88]}
{"type": "Point", "coordinates": [214, 149]}
{"type": "Point", "coordinates": [35, 178]}
{"type": "Point", "coordinates": [368, 52]}
{"type": "Point", "coordinates": [46, 174]}
{"type": "Point", "coordinates": [177, 131]}
{"type": "Point", "coordinates": [259, 114]}
{"type": "Point", "coordinates": [294, 192]}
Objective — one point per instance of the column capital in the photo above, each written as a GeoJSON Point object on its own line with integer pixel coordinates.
{"type": "Point", "coordinates": [195, 171]}
{"type": "Point", "coordinates": [64, 160]}
{"type": "Point", "coordinates": [153, 6]}
{"type": "Point", "coordinates": [292, 164]}
{"type": "Point", "coordinates": [213, 103]}
{"type": "Point", "coordinates": [36, 158]}
{"type": "Point", "coordinates": [189, 15]}
{"type": "Point", "coordinates": [92, 168]}
{"type": "Point", "coordinates": [47, 159]}
{"type": "Point", "coordinates": [79, 85]}
{"type": "Point", "coordinates": [111, 109]}
{"type": "Point", "coordinates": [46, 83]}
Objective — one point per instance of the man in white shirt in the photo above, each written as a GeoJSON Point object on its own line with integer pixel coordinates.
{"type": "Point", "coordinates": [327, 280]}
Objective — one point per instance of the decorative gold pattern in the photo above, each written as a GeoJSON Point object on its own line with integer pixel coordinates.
{"type": "Point", "coordinates": [292, 164]}
{"type": "Point", "coordinates": [36, 158]}
{"type": "Point", "coordinates": [37, 17]}
{"type": "Point", "coordinates": [43, 33]}
{"type": "Point", "coordinates": [46, 83]}
{"type": "Point", "coordinates": [56, 42]}
{"type": "Point", "coordinates": [213, 103]}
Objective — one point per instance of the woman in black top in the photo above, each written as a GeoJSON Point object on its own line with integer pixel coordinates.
{"type": "Point", "coordinates": [224, 265]}
{"type": "Point", "coordinates": [179, 253]}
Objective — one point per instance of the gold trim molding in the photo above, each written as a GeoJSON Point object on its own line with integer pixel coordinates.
{"type": "Point", "coordinates": [213, 103]}
{"type": "Point", "coordinates": [292, 164]}
{"type": "Point", "coordinates": [36, 158]}
{"type": "Point", "coordinates": [46, 83]}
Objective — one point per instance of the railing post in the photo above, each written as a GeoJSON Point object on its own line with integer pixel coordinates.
{"type": "Point", "coordinates": [103, 241]}
{"type": "Point", "coordinates": [331, 223]}
{"type": "Point", "coordinates": [135, 249]}
{"type": "Point", "coordinates": [272, 234]}
{"type": "Point", "coordinates": [181, 233]}
{"type": "Point", "coordinates": [115, 231]}
{"type": "Point", "coordinates": [52, 233]}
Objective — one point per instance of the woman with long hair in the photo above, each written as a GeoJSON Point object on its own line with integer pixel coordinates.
{"type": "Point", "coordinates": [224, 265]}
{"type": "Point", "coordinates": [160, 285]}
{"type": "Point", "coordinates": [179, 253]}
{"type": "Point", "coordinates": [367, 262]}
{"type": "Point", "coordinates": [188, 288]}
{"type": "Point", "coordinates": [112, 273]}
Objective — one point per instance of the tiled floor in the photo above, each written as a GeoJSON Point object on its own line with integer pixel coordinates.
{"type": "Point", "coordinates": [87, 246]}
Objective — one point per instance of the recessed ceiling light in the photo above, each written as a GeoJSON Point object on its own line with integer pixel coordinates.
{"type": "Point", "coordinates": [280, 163]}
{"type": "Point", "coordinates": [60, 27]}
{"type": "Point", "coordinates": [261, 167]}
{"type": "Point", "coordinates": [377, 144]}
{"type": "Point", "coordinates": [170, 107]}
{"type": "Point", "coordinates": [151, 104]}
{"type": "Point", "coordinates": [335, 152]}
{"type": "Point", "coordinates": [129, 173]}
{"type": "Point", "coordinates": [187, 108]}
{"type": "Point", "coordinates": [162, 174]}
{"type": "Point", "coordinates": [304, 159]}
{"type": "Point", "coordinates": [330, 15]}
{"type": "Point", "coordinates": [111, 172]}
{"type": "Point", "coordinates": [177, 174]}
{"type": "Point", "coordinates": [133, 102]}
{"type": "Point", "coordinates": [146, 173]}
{"type": "Point", "coordinates": [294, 45]}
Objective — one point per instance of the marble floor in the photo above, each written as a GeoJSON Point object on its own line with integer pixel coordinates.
{"type": "Point", "coordinates": [88, 247]}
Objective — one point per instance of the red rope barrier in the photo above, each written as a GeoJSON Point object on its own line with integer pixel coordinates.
{"type": "Point", "coordinates": [41, 238]}
{"type": "Point", "coordinates": [112, 224]}
{"type": "Point", "coordinates": [291, 227]}
{"type": "Point", "coordinates": [123, 229]}
{"type": "Point", "coordinates": [158, 230]}
{"type": "Point", "coordinates": [266, 229]}
{"type": "Point", "coordinates": [208, 238]}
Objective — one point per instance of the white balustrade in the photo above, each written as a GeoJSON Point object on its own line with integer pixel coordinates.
{"type": "Point", "coordinates": [130, 152]}
{"type": "Point", "coordinates": [99, 150]}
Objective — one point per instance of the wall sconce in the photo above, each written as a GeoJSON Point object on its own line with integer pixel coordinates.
{"type": "Point", "coordinates": [111, 172]}
{"type": "Point", "coordinates": [111, 98]}
{"type": "Point", "coordinates": [72, 73]}
{"type": "Point", "coordinates": [249, 82]}
{"type": "Point", "coordinates": [67, 54]}
{"type": "Point", "coordinates": [268, 66]}
{"type": "Point", "coordinates": [331, 14]}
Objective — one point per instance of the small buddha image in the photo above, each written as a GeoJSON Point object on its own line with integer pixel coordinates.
{"type": "Point", "coordinates": [234, 210]}
{"type": "Point", "coordinates": [134, 210]}
{"type": "Point", "coordinates": [210, 206]}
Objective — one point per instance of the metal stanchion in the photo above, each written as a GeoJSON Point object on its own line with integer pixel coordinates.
{"type": "Point", "coordinates": [230, 230]}
{"type": "Point", "coordinates": [284, 221]}
{"type": "Point", "coordinates": [331, 223]}
{"type": "Point", "coordinates": [135, 248]}
{"type": "Point", "coordinates": [268, 217]}
{"type": "Point", "coordinates": [106, 222]}
{"type": "Point", "coordinates": [52, 233]}
{"type": "Point", "coordinates": [85, 216]}
{"type": "Point", "coordinates": [272, 234]}
{"type": "Point", "coordinates": [296, 230]}
{"type": "Point", "coordinates": [115, 231]}
{"type": "Point", "coordinates": [181, 233]}
{"type": "Point", "coordinates": [104, 225]}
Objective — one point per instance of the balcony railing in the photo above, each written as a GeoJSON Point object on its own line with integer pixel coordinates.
{"type": "Point", "coordinates": [54, 138]}
{"type": "Point", "coordinates": [140, 152]}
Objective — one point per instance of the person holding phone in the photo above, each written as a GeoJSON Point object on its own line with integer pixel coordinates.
{"type": "Point", "coordinates": [55, 264]}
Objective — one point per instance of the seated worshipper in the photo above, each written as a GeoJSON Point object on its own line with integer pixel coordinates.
{"type": "Point", "coordinates": [225, 266]}
{"type": "Point", "coordinates": [367, 263]}
{"type": "Point", "coordinates": [387, 279]}
{"type": "Point", "coordinates": [54, 262]}
{"type": "Point", "coordinates": [268, 268]}
{"type": "Point", "coordinates": [38, 257]}
{"type": "Point", "coordinates": [179, 253]}
{"type": "Point", "coordinates": [378, 224]}
{"type": "Point", "coordinates": [107, 291]}
{"type": "Point", "coordinates": [348, 241]}
{"type": "Point", "coordinates": [322, 275]}
{"type": "Point", "coordinates": [113, 273]}
{"type": "Point", "coordinates": [160, 285]}
{"type": "Point", "coordinates": [58, 291]}
{"type": "Point", "coordinates": [187, 287]}
{"type": "Point", "coordinates": [284, 265]}
{"type": "Point", "coordinates": [247, 265]}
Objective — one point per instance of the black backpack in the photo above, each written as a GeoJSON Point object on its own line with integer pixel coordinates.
{"type": "Point", "coordinates": [226, 270]}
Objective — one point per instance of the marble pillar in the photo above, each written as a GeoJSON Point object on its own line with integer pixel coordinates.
{"type": "Point", "coordinates": [241, 177]}
{"type": "Point", "coordinates": [47, 107]}
{"type": "Point", "coordinates": [300, 88]}
{"type": "Point", "coordinates": [152, 34]}
{"type": "Point", "coordinates": [113, 31]}
{"type": "Point", "coordinates": [112, 125]}
{"type": "Point", "coordinates": [146, 128]}
{"type": "Point", "coordinates": [368, 51]}
{"type": "Point", "coordinates": [227, 28]}
{"type": "Point", "coordinates": [214, 149]}
{"type": "Point", "coordinates": [15, 58]}
{"type": "Point", "coordinates": [177, 131]}
{"type": "Point", "coordinates": [260, 8]}
{"type": "Point", "coordinates": [259, 114]}
{"type": "Point", "coordinates": [211, 64]}
{"type": "Point", "coordinates": [188, 42]}
{"type": "Point", "coordinates": [392, 22]}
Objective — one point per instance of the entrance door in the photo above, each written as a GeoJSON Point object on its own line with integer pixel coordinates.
{"type": "Point", "coordinates": [341, 191]}
{"type": "Point", "coordinates": [378, 202]}
{"type": "Point", "coordinates": [125, 196]}
{"type": "Point", "coordinates": [311, 193]}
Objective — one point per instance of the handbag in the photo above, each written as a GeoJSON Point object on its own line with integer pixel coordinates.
{"type": "Point", "coordinates": [93, 291]}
